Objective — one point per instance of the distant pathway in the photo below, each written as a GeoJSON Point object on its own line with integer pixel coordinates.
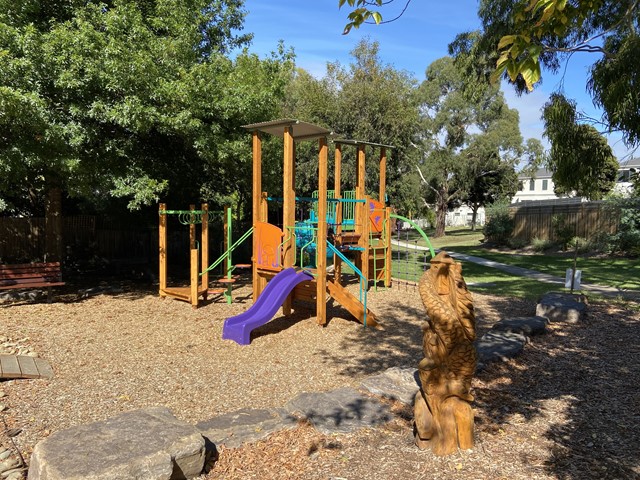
{"type": "Point", "coordinates": [525, 272]}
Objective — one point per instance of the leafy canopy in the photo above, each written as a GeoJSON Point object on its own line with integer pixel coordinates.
{"type": "Point", "coordinates": [580, 158]}
{"type": "Point", "coordinates": [129, 98]}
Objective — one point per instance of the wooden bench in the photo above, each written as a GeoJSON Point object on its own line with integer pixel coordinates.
{"type": "Point", "coordinates": [31, 275]}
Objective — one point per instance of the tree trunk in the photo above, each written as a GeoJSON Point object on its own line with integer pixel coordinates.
{"type": "Point", "coordinates": [53, 225]}
{"type": "Point", "coordinates": [474, 216]}
{"type": "Point", "coordinates": [441, 212]}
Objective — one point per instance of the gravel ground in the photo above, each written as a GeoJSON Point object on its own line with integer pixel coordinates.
{"type": "Point", "coordinates": [567, 408]}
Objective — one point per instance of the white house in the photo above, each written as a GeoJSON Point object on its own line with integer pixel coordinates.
{"type": "Point", "coordinates": [625, 172]}
{"type": "Point", "coordinates": [539, 186]}
{"type": "Point", "coordinates": [536, 187]}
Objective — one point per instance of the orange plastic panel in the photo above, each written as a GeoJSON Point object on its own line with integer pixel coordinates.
{"type": "Point", "coordinates": [376, 215]}
{"type": "Point", "coordinates": [269, 240]}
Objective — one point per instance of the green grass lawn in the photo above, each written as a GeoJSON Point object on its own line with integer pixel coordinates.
{"type": "Point", "coordinates": [623, 273]}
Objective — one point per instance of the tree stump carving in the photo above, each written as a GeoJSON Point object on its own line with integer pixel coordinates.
{"type": "Point", "coordinates": [443, 417]}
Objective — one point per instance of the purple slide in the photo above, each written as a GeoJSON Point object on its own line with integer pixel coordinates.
{"type": "Point", "coordinates": [239, 328]}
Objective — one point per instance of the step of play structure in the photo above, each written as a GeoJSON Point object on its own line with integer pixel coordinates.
{"type": "Point", "coordinates": [225, 280]}
{"type": "Point", "coordinates": [352, 304]}
{"type": "Point", "coordinates": [243, 265]}
{"type": "Point", "coordinates": [216, 291]}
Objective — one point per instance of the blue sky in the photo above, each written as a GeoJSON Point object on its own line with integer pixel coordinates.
{"type": "Point", "coordinates": [314, 29]}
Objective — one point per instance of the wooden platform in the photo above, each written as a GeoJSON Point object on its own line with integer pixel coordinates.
{"type": "Point", "coordinates": [22, 366]}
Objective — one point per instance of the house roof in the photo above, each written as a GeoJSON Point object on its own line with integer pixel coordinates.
{"type": "Point", "coordinates": [632, 162]}
{"type": "Point", "coordinates": [540, 173]}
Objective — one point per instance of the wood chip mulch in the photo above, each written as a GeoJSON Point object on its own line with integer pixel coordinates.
{"type": "Point", "coordinates": [567, 408]}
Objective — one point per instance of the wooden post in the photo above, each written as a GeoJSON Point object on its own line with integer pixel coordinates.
{"type": "Point", "coordinates": [194, 259]}
{"type": "Point", "coordinates": [387, 250]}
{"type": "Point", "coordinates": [194, 278]}
{"type": "Point", "coordinates": [321, 242]}
{"type": "Point", "coordinates": [228, 264]}
{"type": "Point", "coordinates": [257, 191]}
{"type": "Point", "coordinates": [204, 279]}
{"type": "Point", "coordinates": [289, 208]}
{"type": "Point", "coordinates": [383, 175]}
{"type": "Point", "coordinates": [162, 243]}
{"type": "Point", "coordinates": [337, 262]}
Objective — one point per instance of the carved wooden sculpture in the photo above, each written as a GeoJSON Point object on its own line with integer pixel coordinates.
{"type": "Point", "coordinates": [442, 413]}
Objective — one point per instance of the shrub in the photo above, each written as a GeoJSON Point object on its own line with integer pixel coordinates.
{"type": "Point", "coordinates": [627, 238]}
{"type": "Point", "coordinates": [600, 242]}
{"type": "Point", "coordinates": [541, 244]}
{"type": "Point", "coordinates": [499, 225]}
{"type": "Point", "coordinates": [582, 244]}
{"type": "Point", "coordinates": [517, 243]}
{"type": "Point", "coordinates": [562, 231]}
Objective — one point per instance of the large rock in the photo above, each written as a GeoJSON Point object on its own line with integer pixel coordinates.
{"type": "Point", "coordinates": [244, 426]}
{"type": "Point", "coordinates": [339, 411]}
{"type": "Point", "coordinates": [396, 383]}
{"type": "Point", "coordinates": [528, 326]}
{"type": "Point", "coordinates": [562, 307]}
{"type": "Point", "coordinates": [494, 346]}
{"type": "Point", "coordinates": [149, 444]}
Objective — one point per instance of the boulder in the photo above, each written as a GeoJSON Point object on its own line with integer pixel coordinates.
{"type": "Point", "coordinates": [339, 411]}
{"type": "Point", "coordinates": [149, 444]}
{"type": "Point", "coordinates": [396, 383]}
{"type": "Point", "coordinates": [562, 307]}
{"type": "Point", "coordinates": [493, 346]}
{"type": "Point", "coordinates": [246, 425]}
{"type": "Point", "coordinates": [527, 326]}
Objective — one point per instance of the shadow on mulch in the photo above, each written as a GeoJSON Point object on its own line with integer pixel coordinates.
{"type": "Point", "coordinates": [591, 366]}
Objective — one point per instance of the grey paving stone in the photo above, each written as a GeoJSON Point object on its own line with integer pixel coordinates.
{"type": "Point", "coordinates": [339, 411]}
{"type": "Point", "coordinates": [396, 383]}
{"type": "Point", "coordinates": [562, 307]}
{"type": "Point", "coordinates": [494, 346]}
{"type": "Point", "coordinates": [245, 425]}
{"type": "Point", "coordinates": [528, 326]}
{"type": "Point", "coordinates": [148, 444]}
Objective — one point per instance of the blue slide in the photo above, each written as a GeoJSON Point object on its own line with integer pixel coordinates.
{"type": "Point", "coordinates": [239, 328]}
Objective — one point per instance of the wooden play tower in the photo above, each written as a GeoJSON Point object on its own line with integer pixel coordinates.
{"type": "Point", "coordinates": [367, 238]}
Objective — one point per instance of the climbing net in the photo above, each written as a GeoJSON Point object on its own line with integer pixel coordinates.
{"type": "Point", "coordinates": [411, 253]}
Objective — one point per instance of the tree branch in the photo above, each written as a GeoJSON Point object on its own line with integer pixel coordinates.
{"type": "Point", "coordinates": [393, 19]}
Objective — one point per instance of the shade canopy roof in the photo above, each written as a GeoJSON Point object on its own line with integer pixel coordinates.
{"type": "Point", "coordinates": [345, 141]}
{"type": "Point", "coordinates": [301, 130]}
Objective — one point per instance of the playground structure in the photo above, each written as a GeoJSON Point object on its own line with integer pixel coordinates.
{"type": "Point", "coordinates": [366, 236]}
{"type": "Point", "coordinates": [199, 256]}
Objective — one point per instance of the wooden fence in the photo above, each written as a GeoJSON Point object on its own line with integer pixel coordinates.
{"type": "Point", "coordinates": [90, 240]}
{"type": "Point", "coordinates": [586, 219]}
{"type": "Point", "coordinates": [84, 236]}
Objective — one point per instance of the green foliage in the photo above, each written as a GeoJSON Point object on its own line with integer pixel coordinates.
{"type": "Point", "coordinates": [517, 243]}
{"type": "Point", "coordinates": [627, 237]}
{"type": "Point", "coordinates": [471, 140]}
{"type": "Point", "coordinates": [541, 244]}
{"type": "Point", "coordinates": [132, 98]}
{"type": "Point", "coordinates": [361, 14]}
{"type": "Point", "coordinates": [580, 158]}
{"type": "Point", "coordinates": [563, 232]}
{"type": "Point", "coordinates": [581, 244]}
{"type": "Point", "coordinates": [522, 37]}
{"type": "Point", "coordinates": [365, 100]}
{"type": "Point", "coordinates": [614, 83]}
{"type": "Point", "coordinates": [499, 225]}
